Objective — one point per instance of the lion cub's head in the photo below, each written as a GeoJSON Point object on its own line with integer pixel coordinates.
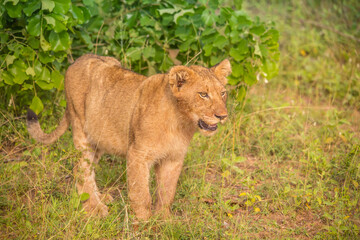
{"type": "Point", "coordinates": [201, 94]}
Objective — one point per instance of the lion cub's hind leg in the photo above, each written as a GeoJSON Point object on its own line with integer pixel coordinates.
{"type": "Point", "coordinates": [85, 175]}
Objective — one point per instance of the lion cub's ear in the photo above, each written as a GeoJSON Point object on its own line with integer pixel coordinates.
{"type": "Point", "coordinates": [222, 70]}
{"type": "Point", "coordinates": [178, 76]}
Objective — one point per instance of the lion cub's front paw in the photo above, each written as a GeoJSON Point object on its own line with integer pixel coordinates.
{"type": "Point", "coordinates": [96, 208]}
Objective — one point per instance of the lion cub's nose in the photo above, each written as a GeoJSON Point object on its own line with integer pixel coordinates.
{"type": "Point", "coordinates": [221, 117]}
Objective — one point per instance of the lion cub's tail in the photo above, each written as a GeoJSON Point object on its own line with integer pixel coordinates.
{"type": "Point", "coordinates": [38, 134]}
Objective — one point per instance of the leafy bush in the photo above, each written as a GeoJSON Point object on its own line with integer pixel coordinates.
{"type": "Point", "coordinates": [40, 38]}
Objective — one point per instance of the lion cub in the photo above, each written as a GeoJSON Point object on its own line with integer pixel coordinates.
{"type": "Point", "coordinates": [150, 120]}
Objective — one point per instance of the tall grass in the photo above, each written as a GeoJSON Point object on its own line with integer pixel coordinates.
{"type": "Point", "coordinates": [285, 166]}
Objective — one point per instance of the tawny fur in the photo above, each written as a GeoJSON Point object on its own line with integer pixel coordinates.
{"type": "Point", "coordinates": [150, 120]}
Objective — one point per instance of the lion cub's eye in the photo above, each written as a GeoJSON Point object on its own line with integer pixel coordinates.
{"type": "Point", "coordinates": [223, 94]}
{"type": "Point", "coordinates": [203, 95]}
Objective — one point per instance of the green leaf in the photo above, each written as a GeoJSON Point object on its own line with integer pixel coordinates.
{"type": "Point", "coordinates": [208, 31]}
{"type": "Point", "coordinates": [4, 37]}
{"type": "Point", "coordinates": [59, 26]}
{"type": "Point", "coordinates": [62, 6]}
{"type": "Point", "coordinates": [86, 38]}
{"type": "Point", "coordinates": [77, 14]}
{"type": "Point", "coordinates": [31, 6]}
{"type": "Point", "coordinates": [30, 71]}
{"type": "Point", "coordinates": [168, 10]}
{"type": "Point", "coordinates": [37, 67]}
{"type": "Point", "coordinates": [186, 45]}
{"type": "Point", "coordinates": [226, 12]}
{"type": "Point", "coordinates": [236, 54]}
{"type": "Point", "coordinates": [50, 20]}
{"type": "Point", "coordinates": [243, 47]}
{"type": "Point", "coordinates": [27, 86]}
{"type": "Point", "coordinates": [208, 17]}
{"type": "Point", "coordinates": [84, 196]}
{"type": "Point", "coordinates": [215, 60]}
{"type": "Point", "coordinates": [220, 42]}
{"type": "Point", "coordinates": [36, 105]}
{"type": "Point", "coordinates": [166, 64]}
{"type": "Point", "coordinates": [183, 32]}
{"type": "Point", "coordinates": [34, 25]}
{"type": "Point", "coordinates": [7, 77]}
{"type": "Point", "coordinates": [47, 5]}
{"type": "Point", "coordinates": [95, 23]}
{"type": "Point", "coordinates": [271, 68]}
{"type": "Point", "coordinates": [44, 85]}
{"type": "Point", "coordinates": [44, 58]}
{"type": "Point", "coordinates": [59, 41]}
{"type": "Point", "coordinates": [257, 50]}
{"type": "Point", "coordinates": [258, 30]}
{"type": "Point", "coordinates": [271, 35]}
{"type": "Point", "coordinates": [146, 21]}
{"type": "Point", "coordinates": [45, 75]}
{"type": "Point", "coordinates": [14, 11]}
{"type": "Point", "coordinates": [208, 49]}
{"type": "Point", "coordinates": [89, 2]}
{"type": "Point", "coordinates": [18, 70]}
{"type": "Point", "coordinates": [28, 53]}
{"type": "Point", "coordinates": [57, 78]}
{"type": "Point", "coordinates": [264, 51]}
{"type": "Point", "coordinates": [242, 20]}
{"type": "Point", "coordinates": [182, 13]}
{"type": "Point", "coordinates": [237, 70]}
{"type": "Point", "coordinates": [131, 19]}
{"type": "Point", "coordinates": [213, 4]}
{"type": "Point", "coordinates": [45, 45]}
{"type": "Point", "coordinates": [249, 76]}
{"type": "Point", "coordinates": [133, 53]}
{"type": "Point", "coordinates": [239, 53]}
{"type": "Point", "coordinates": [148, 52]}
{"type": "Point", "coordinates": [86, 13]}
{"type": "Point", "coordinates": [33, 42]}
{"type": "Point", "coordinates": [234, 36]}
{"type": "Point", "coordinates": [9, 59]}
{"type": "Point", "coordinates": [14, 2]}
{"type": "Point", "coordinates": [233, 80]}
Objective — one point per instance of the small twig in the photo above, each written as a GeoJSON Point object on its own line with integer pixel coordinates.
{"type": "Point", "coordinates": [70, 58]}
{"type": "Point", "coordinates": [193, 57]}
{"type": "Point", "coordinates": [97, 37]}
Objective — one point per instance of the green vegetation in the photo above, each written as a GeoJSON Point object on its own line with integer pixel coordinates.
{"type": "Point", "coordinates": [38, 37]}
{"type": "Point", "coordinates": [285, 166]}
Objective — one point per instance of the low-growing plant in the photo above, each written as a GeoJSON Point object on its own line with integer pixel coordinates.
{"type": "Point", "coordinates": [40, 38]}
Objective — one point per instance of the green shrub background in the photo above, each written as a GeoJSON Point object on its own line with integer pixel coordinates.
{"type": "Point", "coordinates": [39, 39]}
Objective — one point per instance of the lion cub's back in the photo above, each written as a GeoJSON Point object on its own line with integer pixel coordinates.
{"type": "Point", "coordinates": [101, 94]}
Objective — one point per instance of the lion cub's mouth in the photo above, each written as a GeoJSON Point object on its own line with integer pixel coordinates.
{"type": "Point", "coordinates": [203, 125]}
